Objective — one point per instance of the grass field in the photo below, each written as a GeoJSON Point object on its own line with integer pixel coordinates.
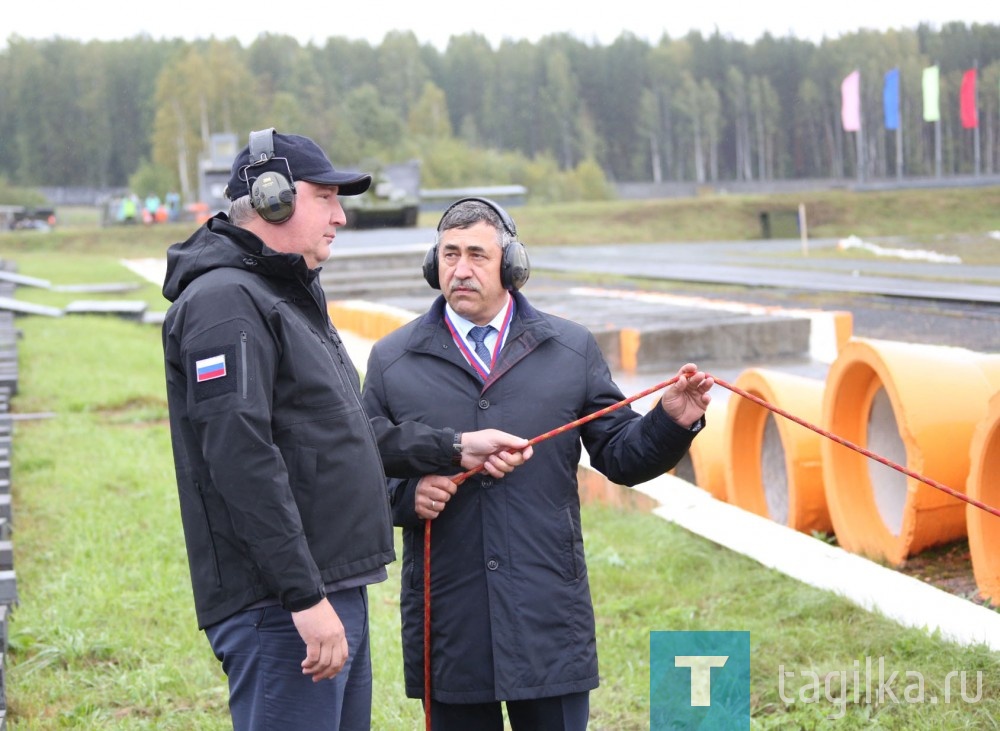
{"type": "Point", "coordinates": [104, 635]}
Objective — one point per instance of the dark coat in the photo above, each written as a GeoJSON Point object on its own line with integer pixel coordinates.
{"type": "Point", "coordinates": [281, 489]}
{"type": "Point", "coordinates": [512, 617]}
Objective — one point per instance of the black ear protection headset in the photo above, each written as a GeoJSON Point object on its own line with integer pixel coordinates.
{"type": "Point", "coordinates": [514, 266]}
{"type": "Point", "coordinates": [271, 194]}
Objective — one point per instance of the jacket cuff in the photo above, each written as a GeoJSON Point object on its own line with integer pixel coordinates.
{"type": "Point", "coordinates": [404, 514]}
{"type": "Point", "coordinates": [300, 602]}
{"type": "Point", "coordinates": [664, 427]}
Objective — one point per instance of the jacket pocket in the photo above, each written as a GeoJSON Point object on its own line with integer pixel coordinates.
{"type": "Point", "coordinates": [414, 564]}
{"type": "Point", "coordinates": [574, 566]}
{"type": "Point", "coordinates": [211, 534]}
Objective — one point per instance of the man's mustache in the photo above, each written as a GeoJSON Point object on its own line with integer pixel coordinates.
{"type": "Point", "coordinates": [464, 284]}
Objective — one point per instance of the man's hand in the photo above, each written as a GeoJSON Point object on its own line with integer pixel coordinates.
{"type": "Point", "coordinates": [326, 642]}
{"type": "Point", "coordinates": [498, 452]}
{"type": "Point", "coordinates": [686, 399]}
{"type": "Point", "coordinates": [432, 495]}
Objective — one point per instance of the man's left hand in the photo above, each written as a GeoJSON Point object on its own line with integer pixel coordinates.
{"type": "Point", "coordinates": [686, 399]}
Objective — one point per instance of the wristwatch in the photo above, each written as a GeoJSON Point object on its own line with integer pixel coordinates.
{"type": "Point", "coordinates": [456, 446]}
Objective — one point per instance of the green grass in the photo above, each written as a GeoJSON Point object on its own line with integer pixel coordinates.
{"type": "Point", "coordinates": [914, 214]}
{"type": "Point", "coordinates": [104, 635]}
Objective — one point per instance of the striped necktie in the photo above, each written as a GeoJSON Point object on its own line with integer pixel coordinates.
{"type": "Point", "coordinates": [478, 336]}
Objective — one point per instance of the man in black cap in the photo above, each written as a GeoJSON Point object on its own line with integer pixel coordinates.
{"type": "Point", "coordinates": [281, 475]}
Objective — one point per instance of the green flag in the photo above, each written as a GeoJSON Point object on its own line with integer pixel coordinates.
{"type": "Point", "coordinates": [932, 110]}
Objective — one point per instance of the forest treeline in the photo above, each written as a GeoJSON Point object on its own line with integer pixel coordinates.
{"type": "Point", "coordinates": [559, 115]}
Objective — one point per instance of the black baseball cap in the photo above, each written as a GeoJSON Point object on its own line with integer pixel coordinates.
{"type": "Point", "coordinates": [305, 161]}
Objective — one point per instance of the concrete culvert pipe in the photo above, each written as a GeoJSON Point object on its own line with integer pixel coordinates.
{"type": "Point", "coordinates": [917, 406]}
{"type": "Point", "coordinates": [773, 465]}
{"type": "Point", "coordinates": [983, 485]}
{"type": "Point", "coordinates": [704, 464]}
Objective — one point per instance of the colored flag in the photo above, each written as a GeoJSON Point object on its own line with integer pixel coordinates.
{"type": "Point", "coordinates": [850, 109]}
{"type": "Point", "coordinates": [890, 99]}
{"type": "Point", "coordinates": [209, 368]}
{"type": "Point", "coordinates": [932, 109]}
{"type": "Point", "coordinates": [970, 115]}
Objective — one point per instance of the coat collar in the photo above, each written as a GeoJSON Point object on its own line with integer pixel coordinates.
{"type": "Point", "coordinates": [528, 330]}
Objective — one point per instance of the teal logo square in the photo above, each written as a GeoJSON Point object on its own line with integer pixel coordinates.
{"type": "Point", "coordinates": [699, 680]}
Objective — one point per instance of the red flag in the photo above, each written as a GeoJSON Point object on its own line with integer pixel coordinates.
{"type": "Point", "coordinates": [970, 115]}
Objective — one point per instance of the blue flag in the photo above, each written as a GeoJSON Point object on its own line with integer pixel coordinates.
{"type": "Point", "coordinates": [890, 99]}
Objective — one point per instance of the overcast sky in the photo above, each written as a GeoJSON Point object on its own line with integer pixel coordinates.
{"type": "Point", "coordinates": [435, 21]}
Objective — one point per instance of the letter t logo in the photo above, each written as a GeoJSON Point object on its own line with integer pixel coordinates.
{"type": "Point", "coordinates": [701, 675]}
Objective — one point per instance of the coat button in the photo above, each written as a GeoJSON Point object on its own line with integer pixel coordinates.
{"type": "Point", "coordinates": [484, 403]}
{"type": "Point", "coordinates": [487, 483]}
{"type": "Point", "coordinates": [492, 564]}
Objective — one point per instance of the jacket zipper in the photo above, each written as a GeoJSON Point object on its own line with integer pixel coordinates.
{"type": "Point", "coordinates": [243, 360]}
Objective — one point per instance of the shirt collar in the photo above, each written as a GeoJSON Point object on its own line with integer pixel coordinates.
{"type": "Point", "coordinates": [463, 326]}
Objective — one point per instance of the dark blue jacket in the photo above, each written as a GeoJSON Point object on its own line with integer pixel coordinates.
{"type": "Point", "coordinates": [512, 616]}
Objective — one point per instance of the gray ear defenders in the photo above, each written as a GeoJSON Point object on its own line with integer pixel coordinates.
{"type": "Point", "coordinates": [514, 267]}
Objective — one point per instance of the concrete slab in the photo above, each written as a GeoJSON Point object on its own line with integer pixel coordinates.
{"type": "Point", "coordinates": [128, 309]}
{"type": "Point", "coordinates": [27, 308]}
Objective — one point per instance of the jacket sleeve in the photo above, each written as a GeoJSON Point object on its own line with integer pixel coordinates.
{"type": "Point", "coordinates": [408, 449]}
{"type": "Point", "coordinates": [230, 417]}
{"type": "Point", "coordinates": [402, 496]}
{"type": "Point", "coordinates": [625, 446]}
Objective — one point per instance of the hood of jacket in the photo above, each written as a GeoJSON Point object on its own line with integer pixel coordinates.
{"type": "Point", "coordinates": [220, 244]}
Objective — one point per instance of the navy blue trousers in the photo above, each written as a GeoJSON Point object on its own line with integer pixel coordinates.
{"type": "Point", "coordinates": [261, 653]}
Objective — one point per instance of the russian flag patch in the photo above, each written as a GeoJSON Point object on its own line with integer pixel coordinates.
{"type": "Point", "coordinates": [208, 369]}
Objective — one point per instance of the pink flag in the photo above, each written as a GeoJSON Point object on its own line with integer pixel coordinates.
{"type": "Point", "coordinates": [850, 109]}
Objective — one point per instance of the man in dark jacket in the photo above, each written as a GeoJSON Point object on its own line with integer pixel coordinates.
{"type": "Point", "coordinates": [512, 618]}
{"type": "Point", "coordinates": [279, 470]}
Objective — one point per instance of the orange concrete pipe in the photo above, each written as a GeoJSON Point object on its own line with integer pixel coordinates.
{"type": "Point", "coordinates": [984, 485]}
{"type": "Point", "coordinates": [916, 405]}
{"type": "Point", "coordinates": [704, 464]}
{"type": "Point", "coordinates": [773, 465]}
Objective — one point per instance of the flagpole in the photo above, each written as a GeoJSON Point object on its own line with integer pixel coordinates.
{"type": "Point", "coordinates": [937, 147]}
{"type": "Point", "coordinates": [899, 132]}
{"type": "Point", "coordinates": [861, 149]}
{"type": "Point", "coordinates": [899, 152]}
{"type": "Point", "coordinates": [975, 101]}
{"type": "Point", "coordinates": [937, 138]}
{"type": "Point", "coordinates": [899, 124]}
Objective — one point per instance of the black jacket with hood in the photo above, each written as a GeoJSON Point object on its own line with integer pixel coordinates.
{"type": "Point", "coordinates": [281, 486]}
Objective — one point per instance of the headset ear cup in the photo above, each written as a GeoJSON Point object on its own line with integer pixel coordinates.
{"type": "Point", "coordinates": [431, 268]}
{"type": "Point", "coordinates": [273, 197]}
{"type": "Point", "coordinates": [515, 268]}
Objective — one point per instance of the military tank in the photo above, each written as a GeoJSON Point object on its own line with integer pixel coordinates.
{"type": "Point", "coordinates": [392, 201]}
